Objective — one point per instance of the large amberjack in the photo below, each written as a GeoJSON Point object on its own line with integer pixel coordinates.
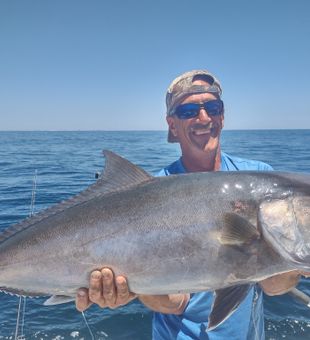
{"type": "Point", "coordinates": [218, 231]}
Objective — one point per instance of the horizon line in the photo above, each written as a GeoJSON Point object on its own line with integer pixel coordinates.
{"type": "Point", "coordinates": [148, 130]}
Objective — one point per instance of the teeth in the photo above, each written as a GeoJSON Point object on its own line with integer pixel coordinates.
{"type": "Point", "coordinates": [199, 132]}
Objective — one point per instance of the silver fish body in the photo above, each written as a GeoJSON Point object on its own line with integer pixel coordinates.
{"type": "Point", "coordinates": [181, 233]}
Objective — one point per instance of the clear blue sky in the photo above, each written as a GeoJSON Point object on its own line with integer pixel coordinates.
{"type": "Point", "coordinates": [105, 65]}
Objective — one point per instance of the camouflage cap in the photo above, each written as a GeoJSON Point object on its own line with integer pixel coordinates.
{"type": "Point", "coordinates": [182, 87]}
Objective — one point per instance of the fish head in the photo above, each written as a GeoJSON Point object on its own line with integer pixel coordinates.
{"type": "Point", "coordinates": [285, 225]}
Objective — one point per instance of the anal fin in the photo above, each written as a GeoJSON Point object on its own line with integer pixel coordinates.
{"type": "Point", "coordinates": [58, 299]}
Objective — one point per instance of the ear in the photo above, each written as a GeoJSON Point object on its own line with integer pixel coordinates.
{"type": "Point", "coordinates": [172, 126]}
{"type": "Point", "coordinates": [222, 120]}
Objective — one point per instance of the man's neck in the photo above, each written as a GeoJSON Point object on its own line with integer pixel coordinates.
{"type": "Point", "coordinates": [211, 162]}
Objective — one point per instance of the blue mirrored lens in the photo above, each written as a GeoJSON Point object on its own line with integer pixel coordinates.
{"type": "Point", "coordinates": [214, 107]}
{"type": "Point", "coordinates": [187, 111]}
{"type": "Point", "coordinates": [191, 110]}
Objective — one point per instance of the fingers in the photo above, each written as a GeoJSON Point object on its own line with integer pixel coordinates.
{"type": "Point", "coordinates": [95, 288]}
{"type": "Point", "coordinates": [105, 290]}
{"type": "Point", "coordinates": [305, 274]}
{"type": "Point", "coordinates": [123, 294]}
{"type": "Point", "coordinates": [82, 301]}
{"type": "Point", "coordinates": [115, 289]}
{"type": "Point", "coordinates": [108, 287]}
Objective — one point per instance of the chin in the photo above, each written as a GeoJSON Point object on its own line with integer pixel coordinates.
{"type": "Point", "coordinates": [210, 146]}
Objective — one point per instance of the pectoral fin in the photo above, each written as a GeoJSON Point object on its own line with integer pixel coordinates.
{"type": "Point", "coordinates": [58, 299]}
{"type": "Point", "coordinates": [237, 231]}
{"type": "Point", "coordinates": [225, 303]}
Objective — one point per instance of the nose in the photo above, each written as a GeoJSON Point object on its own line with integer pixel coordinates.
{"type": "Point", "coordinates": [203, 115]}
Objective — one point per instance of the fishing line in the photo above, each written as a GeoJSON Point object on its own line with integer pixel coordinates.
{"type": "Point", "coordinates": [90, 331]}
{"type": "Point", "coordinates": [21, 311]}
{"type": "Point", "coordinates": [20, 314]}
{"type": "Point", "coordinates": [18, 318]}
{"type": "Point", "coordinates": [23, 316]}
{"type": "Point", "coordinates": [33, 193]}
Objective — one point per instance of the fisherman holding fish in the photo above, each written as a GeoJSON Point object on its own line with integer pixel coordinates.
{"type": "Point", "coordinates": [195, 117]}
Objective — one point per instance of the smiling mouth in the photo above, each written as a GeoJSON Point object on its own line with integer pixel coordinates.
{"type": "Point", "coordinates": [202, 130]}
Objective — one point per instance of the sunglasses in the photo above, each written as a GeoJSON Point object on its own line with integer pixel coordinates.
{"type": "Point", "coordinates": [191, 110]}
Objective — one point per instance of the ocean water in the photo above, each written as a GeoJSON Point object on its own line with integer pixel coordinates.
{"type": "Point", "coordinates": [66, 163]}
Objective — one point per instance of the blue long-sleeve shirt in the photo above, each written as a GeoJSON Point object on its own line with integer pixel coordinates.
{"type": "Point", "coordinates": [246, 323]}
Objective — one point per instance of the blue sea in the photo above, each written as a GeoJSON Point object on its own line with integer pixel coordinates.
{"type": "Point", "coordinates": [66, 163]}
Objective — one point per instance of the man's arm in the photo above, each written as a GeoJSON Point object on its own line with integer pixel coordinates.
{"type": "Point", "coordinates": [282, 283]}
{"type": "Point", "coordinates": [108, 291]}
{"type": "Point", "coordinates": [167, 304]}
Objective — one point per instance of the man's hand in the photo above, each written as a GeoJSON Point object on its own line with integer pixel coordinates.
{"type": "Point", "coordinates": [281, 283]}
{"type": "Point", "coordinates": [105, 290]}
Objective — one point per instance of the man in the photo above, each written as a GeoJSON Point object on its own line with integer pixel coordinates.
{"type": "Point", "coordinates": [195, 116]}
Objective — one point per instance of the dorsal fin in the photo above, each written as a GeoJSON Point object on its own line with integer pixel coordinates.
{"type": "Point", "coordinates": [119, 174]}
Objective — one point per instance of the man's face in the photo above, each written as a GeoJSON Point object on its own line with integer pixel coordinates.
{"type": "Point", "coordinates": [199, 136]}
